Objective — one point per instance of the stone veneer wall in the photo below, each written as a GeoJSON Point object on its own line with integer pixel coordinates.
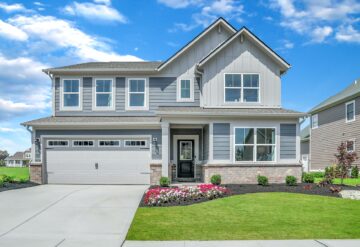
{"type": "Point", "coordinates": [247, 174]}
{"type": "Point", "coordinates": [36, 173]}
{"type": "Point", "coordinates": [155, 174]}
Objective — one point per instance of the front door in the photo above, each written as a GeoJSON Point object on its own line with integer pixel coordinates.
{"type": "Point", "coordinates": [186, 159]}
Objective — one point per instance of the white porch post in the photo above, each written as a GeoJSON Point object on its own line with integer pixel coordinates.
{"type": "Point", "coordinates": [165, 150]}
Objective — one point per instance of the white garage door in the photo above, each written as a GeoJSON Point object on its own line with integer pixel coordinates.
{"type": "Point", "coordinates": [98, 167]}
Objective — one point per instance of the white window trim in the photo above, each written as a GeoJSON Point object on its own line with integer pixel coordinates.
{"type": "Point", "coordinates": [146, 96]}
{"type": "Point", "coordinates": [72, 143]}
{"type": "Point", "coordinates": [178, 89]}
{"type": "Point", "coordinates": [354, 145]}
{"type": "Point", "coordinates": [242, 89]}
{"type": "Point", "coordinates": [254, 161]}
{"type": "Point", "coordinates": [71, 108]}
{"type": "Point", "coordinates": [47, 143]}
{"type": "Point", "coordinates": [312, 121]}
{"type": "Point", "coordinates": [94, 98]}
{"type": "Point", "coordinates": [129, 146]}
{"type": "Point", "coordinates": [349, 103]}
{"type": "Point", "coordinates": [103, 140]}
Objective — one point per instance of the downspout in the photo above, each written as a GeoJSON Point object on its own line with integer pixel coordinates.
{"type": "Point", "coordinates": [52, 90]}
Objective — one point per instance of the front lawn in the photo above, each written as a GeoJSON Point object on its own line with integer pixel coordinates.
{"type": "Point", "coordinates": [347, 181]}
{"type": "Point", "coordinates": [251, 216]}
{"type": "Point", "coordinates": [17, 172]}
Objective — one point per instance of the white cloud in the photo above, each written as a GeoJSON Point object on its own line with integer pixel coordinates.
{"type": "Point", "coordinates": [9, 8]}
{"type": "Point", "coordinates": [11, 32]}
{"type": "Point", "coordinates": [348, 34]}
{"type": "Point", "coordinates": [106, 2]}
{"type": "Point", "coordinates": [319, 34]}
{"type": "Point", "coordinates": [38, 3]}
{"type": "Point", "coordinates": [5, 129]}
{"type": "Point", "coordinates": [100, 10]}
{"type": "Point", "coordinates": [288, 44]}
{"type": "Point", "coordinates": [179, 4]}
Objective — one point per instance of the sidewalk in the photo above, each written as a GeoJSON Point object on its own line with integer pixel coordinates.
{"type": "Point", "coordinates": [246, 243]}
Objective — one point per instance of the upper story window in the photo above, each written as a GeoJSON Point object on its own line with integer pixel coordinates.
{"type": "Point", "coordinates": [136, 96]}
{"type": "Point", "coordinates": [70, 94]}
{"type": "Point", "coordinates": [241, 88]}
{"type": "Point", "coordinates": [104, 94]}
{"type": "Point", "coordinates": [314, 121]}
{"type": "Point", "coordinates": [185, 90]}
{"type": "Point", "coordinates": [350, 111]}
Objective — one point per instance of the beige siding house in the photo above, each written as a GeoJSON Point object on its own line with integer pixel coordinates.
{"type": "Point", "coordinates": [335, 120]}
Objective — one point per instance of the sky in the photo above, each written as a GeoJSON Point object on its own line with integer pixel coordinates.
{"type": "Point", "coordinates": [320, 39]}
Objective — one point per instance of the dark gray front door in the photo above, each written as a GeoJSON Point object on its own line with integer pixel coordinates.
{"type": "Point", "coordinates": [186, 158]}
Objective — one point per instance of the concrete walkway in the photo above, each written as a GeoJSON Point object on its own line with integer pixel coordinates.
{"type": "Point", "coordinates": [67, 215]}
{"type": "Point", "coordinates": [246, 243]}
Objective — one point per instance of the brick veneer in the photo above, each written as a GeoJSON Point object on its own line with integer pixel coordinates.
{"type": "Point", "coordinates": [155, 174]}
{"type": "Point", "coordinates": [247, 174]}
{"type": "Point", "coordinates": [36, 173]}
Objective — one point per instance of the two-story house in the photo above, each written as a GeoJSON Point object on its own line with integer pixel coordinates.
{"type": "Point", "coordinates": [19, 159]}
{"type": "Point", "coordinates": [214, 107]}
{"type": "Point", "coordinates": [333, 121]}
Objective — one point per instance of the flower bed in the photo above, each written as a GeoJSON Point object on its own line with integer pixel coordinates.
{"type": "Point", "coordinates": [160, 196]}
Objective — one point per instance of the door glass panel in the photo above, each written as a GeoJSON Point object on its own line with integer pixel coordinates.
{"type": "Point", "coordinates": [185, 150]}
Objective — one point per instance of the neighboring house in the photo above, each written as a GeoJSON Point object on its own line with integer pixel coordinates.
{"type": "Point", "coordinates": [333, 121]}
{"type": "Point", "coordinates": [19, 159]}
{"type": "Point", "coordinates": [214, 107]}
{"type": "Point", "coordinates": [305, 147]}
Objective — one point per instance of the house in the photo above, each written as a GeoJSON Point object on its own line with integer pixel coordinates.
{"type": "Point", "coordinates": [214, 107]}
{"type": "Point", "coordinates": [19, 159]}
{"type": "Point", "coordinates": [305, 147]}
{"type": "Point", "coordinates": [333, 121]}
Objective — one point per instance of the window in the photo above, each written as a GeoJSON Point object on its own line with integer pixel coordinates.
{"type": "Point", "coordinates": [350, 111]}
{"type": "Point", "coordinates": [58, 143]}
{"type": "Point", "coordinates": [18, 162]}
{"type": "Point", "coordinates": [255, 144]}
{"type": "Point", "coordinates": [350, 146]}
{"type": "Point", "coordinates": [71, 98]}
{"type": "Point", "coordinates": [314, 121]}
{"type": "Point", "coordinates": [185, 90]}
{"type": "Point", "coordinates": [83, 143]}
{"type": "Point", "coordinates": [109, 143]}
{"type": "Point", "coordinates": [137, 94]}
{"type": "Point", "coordinates": [242, 88]}
{"type": "Point", "coordinates": [104, 97]}
{"type": "Point", "coordinates": [135, 143]}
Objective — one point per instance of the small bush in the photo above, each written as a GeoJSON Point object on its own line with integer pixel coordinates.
{"type": "Point", "coordinates": [308, 177]}
{"type": "Point", "coordinates": [1, 183]}
{"type": "Point", "coordinates": [355, 172]}
{"type": "Point", "coordinates": [262, 180]}
{"type": "Point", "coordinates": [216, 179]}
{"type": "Point", "coordinates": [164, 182]}
{"type": "Point", "coordinates": [23, 180]}
{"type": "Point", "coordinates": [7, 179]}
{"type": "Point", "coordinates": [318, 174]}
{"type": "Point", "coordinates": [290, 180]}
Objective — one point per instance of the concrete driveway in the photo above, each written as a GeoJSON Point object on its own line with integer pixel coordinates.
{"type": "Point", "coordinates": [67, 215]}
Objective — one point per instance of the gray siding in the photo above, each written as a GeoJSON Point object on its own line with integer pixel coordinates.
{"type": "Point", "coordinates": [221, 141]}
{"type": "Point", "coordinates": [197, 132]}
{"type": "Point", "coordinates": [156, 146]}
{"type": "Point", "coordinates": [333, 130]}
{"type": "Point", "coordinates": [287, 141]}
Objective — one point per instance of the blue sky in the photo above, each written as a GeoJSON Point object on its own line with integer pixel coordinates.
{"type": "Point", "coordinates": [320, 39]}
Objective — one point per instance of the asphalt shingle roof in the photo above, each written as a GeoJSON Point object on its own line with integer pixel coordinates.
{"type": "Point", "coordinates": [16, 156]}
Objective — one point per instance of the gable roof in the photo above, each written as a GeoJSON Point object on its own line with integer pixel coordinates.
{"type": "Point", "coordinates": [253, 37]}
{"type": "Point", "coordinates": [16, 156]}
{"type": "Point", "coordinates": [348, 93]}
{"type": "Point", "coordinates": [219, 21]}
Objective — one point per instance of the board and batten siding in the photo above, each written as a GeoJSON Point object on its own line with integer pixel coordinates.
{"type": "Point", "coordinates": [240, 57]}
{"type": "Point", "coordinates": [288, 141]}
{"type": "Point", "coordinates": [333, 130]}
{"type": "Point", "coordinates": [221, 141]}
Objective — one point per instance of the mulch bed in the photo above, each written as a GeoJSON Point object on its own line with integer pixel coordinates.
{"type": "Point", "coordinates": [15, 186]}
{"type": "Point", "coordinates": [236, 189]}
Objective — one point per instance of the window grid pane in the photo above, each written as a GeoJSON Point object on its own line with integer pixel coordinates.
{"type": "Point", "coordinates": [104, 86]}
{"type": "Point", "coordinates": [350, 114]}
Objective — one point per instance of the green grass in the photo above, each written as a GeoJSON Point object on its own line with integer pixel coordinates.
{"type": "Point", "coordinates": [251, 216]}
{"type": "Point", "coordinates": [17, 172]}
{"type": "Point", "coordinates": [347, 181]}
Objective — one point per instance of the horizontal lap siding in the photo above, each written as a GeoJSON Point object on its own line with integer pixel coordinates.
{"type": "Point", "coordinates": [221, 141]}
{"type": "Point", "coordinates": [287, 141]}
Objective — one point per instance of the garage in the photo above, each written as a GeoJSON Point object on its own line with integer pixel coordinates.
{"type": "Point", "coordinates": [85, 161]}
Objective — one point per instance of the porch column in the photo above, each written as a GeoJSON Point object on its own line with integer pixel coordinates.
{"type": "Point", "coordinates": [165, 150]}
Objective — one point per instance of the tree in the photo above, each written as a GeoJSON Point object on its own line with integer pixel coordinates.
{"type": "Point", "coordinates": [3, 155]}
{"type": "Point", "coordinates": [344, 160]}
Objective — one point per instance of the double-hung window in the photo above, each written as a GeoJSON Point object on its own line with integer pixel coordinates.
{"type": "Point", "coordinates": [315, 121]}
{"type": "Point", "coordinates": [350, 111]}
{"type": "Point", "coordinates": [136, 94]}
{"type": "Point", "coordinates": [104, 94]}
{"type": "Point", "coordinates": [71, 97]}
{"type": "Point", "coordinates": [255, 144]}
{"type": "Point", "coordinates": [185, 90]}
{"type": "Point", "coordinates": [350, 146]}
{"type": "Point", "coordinates": [242, 88]}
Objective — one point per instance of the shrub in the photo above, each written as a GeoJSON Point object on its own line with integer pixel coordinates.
{"type": "Point", "coordinates": [7, 179]}
{"type": "Point", "coordinates": [262, 180]}
{"type": "Point", "coordinates": [355, 172]}
{"type": "Point", "coordinates": [308, 177]}
{"type": "Point", "coordinates": [216, 179]}
{"type": "Point", "coordinates": [331, 172]}
{"type": "Point", "coordinates": [1, 183]}
{"type": "Point", "coordinates": [290, 180]}
{"type": "Point", "coordinates": [318, 174]}
{"type": "Point", "coordinates": [23, 180]}
{"type": "Point", "coordinates": [164, 182]}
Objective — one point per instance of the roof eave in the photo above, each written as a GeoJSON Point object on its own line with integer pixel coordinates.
{"type": "Point", "coordinates": [233, 114]}
{"type": "Point", "coordinates": [325, 107]}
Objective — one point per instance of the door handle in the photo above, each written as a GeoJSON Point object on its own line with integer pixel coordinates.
{"type": "Point", "coordinates": [96, 166]}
